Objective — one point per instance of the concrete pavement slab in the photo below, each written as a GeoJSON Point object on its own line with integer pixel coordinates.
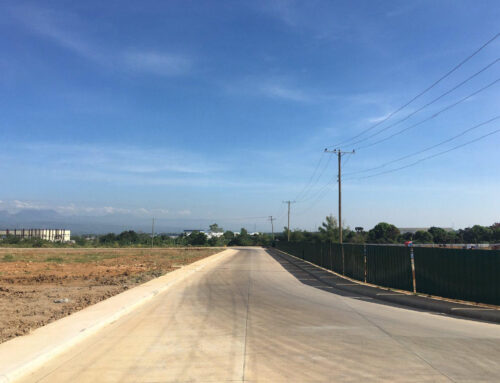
{"type": "Point", "coordinates": [20, 355]}
{"type": "Point", "coordinates": [251, 317]}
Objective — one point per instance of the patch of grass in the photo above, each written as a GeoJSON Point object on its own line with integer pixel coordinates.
{"type": "Point", "coordinates": [54, 259]}
{"type": "Point", "coordinates": [94, 257]}
{"type": "Point", "coordinates": [99, 255]}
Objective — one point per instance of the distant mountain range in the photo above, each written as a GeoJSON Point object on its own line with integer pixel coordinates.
{"type": "Point", "coordinates": [116, 223]}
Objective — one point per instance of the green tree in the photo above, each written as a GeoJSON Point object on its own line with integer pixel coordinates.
{"type": "Point", "coordinates": [197, 238]}
{"type": "Point", "coordinates": [128, 237]}
{"type": "Point", "coordinates": [243, 239]}
{"type": "Point", "coordinates": [107, 239]}
{"type": "Point", "coordinates": [329, 230]}
{"type": "Point", "coordinates": [285, 233]}
{"type": "Point", "coordinates": [297, 235]}
{"type": "Point", "coordinates": [495, 232]}
{"type": "Point", "coordinates": [383, 232]}
{"type": "Point", "coordinates": [423, 237]}
{"type": "Point", "coordinates": [264, 239]}
{"type": "Point", "coordinates": [481, 233]}
{"type": "Point", "coordinates": [355, 237]}
{"type": "Point", "coordinates": [228, 235]}
{"type": "Point", "coordinates": [438, 235]}
{"type": "Point", "coordinates": [405, 237]}
{"type": "Point", "coordinates": [217, 241]}
{"type": "Point", "coordinates": [79, 240]}
{"type": "Point", "coordinates": [214, 228]}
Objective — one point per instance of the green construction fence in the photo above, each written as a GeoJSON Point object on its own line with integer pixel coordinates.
{"type": "Point", "coordinates": [470, 275]}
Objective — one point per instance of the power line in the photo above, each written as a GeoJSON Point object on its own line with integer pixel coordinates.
{"type": "Point", "coordinates": [431, 156]}
{"type": "Point", "coordinates": [319, 198]}
{"type": "Point", "coordinates": [311, 178]}
{"type": "Point", "coordinates": [344, 162]}
{"type": "Point", "coordinates": [282, 213]}
{"type": "Point", "coordinates": [304, 196]}
{"type": "Point", "coordinates": [428, 104]}
{"type": "Point", "coordinates": [318, 191]}
{"type": "Point", "coordinates": [426, 149]}
{"type": "Point", "coordinates": [431, 117]}
{"type": "Point", "coordinates": [423, 92]}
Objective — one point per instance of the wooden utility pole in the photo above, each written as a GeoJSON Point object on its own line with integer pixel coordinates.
{"type": "Point", "coordinates": [288, 230]}
{"type": "Point", "coordinates": [272, 224]}
{"type": "Point", "coordinates": [339, 154]}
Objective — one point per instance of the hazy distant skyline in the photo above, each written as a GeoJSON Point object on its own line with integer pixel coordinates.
{"type": "Point", "coordinates": [221, 110]}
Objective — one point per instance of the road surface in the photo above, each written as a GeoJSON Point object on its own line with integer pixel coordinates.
{"type": "Point", "coordinates": [254, 317]}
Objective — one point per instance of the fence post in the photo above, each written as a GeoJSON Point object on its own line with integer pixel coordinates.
{"type": "Point", "coordinates": [364, 256]}
{"type": "Point", "coordinates": [412, 258]}
{"type": "Point", "coordinates": [343, 259]}
{"type": "Point", "coordinates": [330, 256]}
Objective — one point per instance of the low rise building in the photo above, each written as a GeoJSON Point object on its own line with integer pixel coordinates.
{"type": "Point", "coordinates": [52, 235]}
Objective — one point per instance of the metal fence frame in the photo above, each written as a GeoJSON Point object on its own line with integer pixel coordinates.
{"type": "Point", "coordinates": [470, 275]}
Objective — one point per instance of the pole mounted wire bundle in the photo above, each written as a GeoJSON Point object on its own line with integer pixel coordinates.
{"type": "Point", "coordinates": [288, 228]}
{"type": "Point", "coordinates": [340, 153]}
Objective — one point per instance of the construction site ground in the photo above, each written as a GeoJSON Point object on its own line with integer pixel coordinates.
{"type": "Point", "coordinates": [38, 286]}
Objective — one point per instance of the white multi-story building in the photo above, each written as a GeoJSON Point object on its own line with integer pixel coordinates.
{"type": "Point", "coordinates": [53, 235]}
{"type": "Point", "coordinates": [209, 234]}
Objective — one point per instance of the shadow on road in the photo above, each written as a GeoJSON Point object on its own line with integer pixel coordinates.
{"type": "Point", "coordinates": [318, 278]}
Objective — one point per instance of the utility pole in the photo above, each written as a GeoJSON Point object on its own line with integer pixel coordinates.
{"type": "Point", "coordinates": [153, 233]}
{"type": "Point", "coordinates": [288, 230]}
{"type": "Point", "coordinates": [339, 154]}
{"type": "Point", "coordinates": [272, 224]}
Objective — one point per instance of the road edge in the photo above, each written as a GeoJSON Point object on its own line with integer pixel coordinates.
{"type": "Point", "coordinates": [24, 354]}
{"type": "Point", "coordinates": [452, 309]}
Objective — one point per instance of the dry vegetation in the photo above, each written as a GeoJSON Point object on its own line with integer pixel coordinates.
{"type": "Point", "coordinates": [33, 280]}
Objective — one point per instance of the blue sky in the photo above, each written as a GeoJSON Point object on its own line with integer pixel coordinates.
{"type": "Point", "coordinates": [221, 110]}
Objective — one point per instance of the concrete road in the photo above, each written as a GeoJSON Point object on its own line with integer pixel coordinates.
{"type": "Point", "coordinates": [252, 317]}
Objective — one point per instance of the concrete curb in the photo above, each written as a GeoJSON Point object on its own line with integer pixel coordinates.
{"type": "Point", "coordinates": [21, 355]}
{"type": "Point", "coordinates": [455, 309]}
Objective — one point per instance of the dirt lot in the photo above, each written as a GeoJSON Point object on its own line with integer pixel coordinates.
{"type": "Point", "coordinates": [38, 286]}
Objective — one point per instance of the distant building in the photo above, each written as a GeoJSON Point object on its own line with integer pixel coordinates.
{"type": "Point", "coordinates": [53, 235]}
{"type": "Point", "coordinates": [209, 234]}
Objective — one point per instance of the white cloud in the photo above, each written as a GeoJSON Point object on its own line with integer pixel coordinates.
{"type": "Point", "coordinates": [275, 87]}
{"type": "Point", "coordinates": [287, 93]}
{"type": "Point", "coordinates": [184, 212]}
{"type": "Point", "coordinates": [59, 27]}
{"type": "Point", "coordinates": [375, 119]}
{"type": "Point", "coordinates": [116, 159]}
{"type": "Point", "coordinates": [129, 165]}
{"type": "Point", "coordinates": [14, 206]}
{"type": "Point", "coordinates": [26, 205]}
{"type": "Point", "coordinates": [159, 63]}
{"type": "Point", "coordinates": [303, 16]}
{"type": "Point", "coordinates": [50, 24]}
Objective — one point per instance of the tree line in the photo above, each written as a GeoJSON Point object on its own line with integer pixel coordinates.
{"type": "Point", "coordinates": [382, 233]}
{"type": "Point", "coordinates": [386, 233]}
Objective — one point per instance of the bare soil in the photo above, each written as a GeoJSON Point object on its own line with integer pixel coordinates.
{"type": "Point", "coordinates": [39, 286]}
